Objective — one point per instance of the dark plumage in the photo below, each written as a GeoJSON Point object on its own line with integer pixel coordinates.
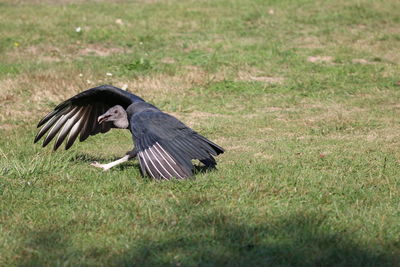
{"type": "Point", "coordinates": [164, 145]}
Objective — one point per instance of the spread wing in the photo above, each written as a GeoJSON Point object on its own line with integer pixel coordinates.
{"type": "Point", "coordinates": [165, 146]}
{"type": "Point", "coordinates": [78, 115]}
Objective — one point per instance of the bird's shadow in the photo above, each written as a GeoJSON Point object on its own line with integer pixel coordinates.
{"type": "Point", "coordinates": [199, 168]}
{"type": "Point", "coordinates": [297, 239]}
{"type": "Point", "coordinates": [87, 158]}
{"type": "Point", "coordinates": [202, 169]}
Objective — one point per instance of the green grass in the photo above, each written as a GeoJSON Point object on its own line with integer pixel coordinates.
{"type": "Point", "coordinates": [302, 94]}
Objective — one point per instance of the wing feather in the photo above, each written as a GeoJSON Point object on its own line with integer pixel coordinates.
{"type": "Point", "coordinates": [77, 128]}
{"type": "Point", "coordinates": [47, 117]}
{"type": "Point", "coordinates": [162, 164]}
{"type": "Point", "coordinates": [217, 149]}
{"type": "Point", "coordinates": [146, 162]}
{"type": "Point", "coordinates": [152, 164]}
{"type": "Point", "coordinates": [95, 125]}
{"type": "Point", "coordinates": [141, 163]}
{"type": "Point", "coordinates": [166, 146]}
{"type": "Point", "coordinates": [88, 121]}
{"type": "Point", "coordinates": [91, 104]}
{"type": "Point", "coordinates": [181, 157]}
{"type": "Point", "coordinates": [67, 127]}
{"type": "Point", "coordinates": [159, 163]}
{"type": "Point", "coordinates": [174, 169]}
{"type": "Point", "coordinates": [49, 123]}
{"type": "Point", "coordinates": [46, 127]}
{"type": "Point", "coordinates": [56, 127]}
{"type": "Point", "coordinates": [106, 126]}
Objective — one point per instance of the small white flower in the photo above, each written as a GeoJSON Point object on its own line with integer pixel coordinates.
{"type": "Point", "coordinates": [88, 81]}
{"type": "Point", "coordinates": [109, 74]}
{"type": "Point", "coordinates": [141, 43]}
{"type": "Point", "coordinates": [119, 22]}
{"type": "Point", "coordinates": [78, 29]}
{"type": "Point", "coordinates": [124, 87]}
{"type": "Point", "coordinates": [271, 11]}
{"type": "Point", "coordinates": [80, 75]}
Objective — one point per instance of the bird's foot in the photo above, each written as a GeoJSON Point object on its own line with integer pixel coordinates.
{"type": "Point", "coordinates": [98, 165]}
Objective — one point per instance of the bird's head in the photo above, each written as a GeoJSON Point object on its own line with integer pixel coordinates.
{"type": "Point", "coordinates": [117, 115]}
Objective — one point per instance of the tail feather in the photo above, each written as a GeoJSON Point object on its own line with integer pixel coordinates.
{"type": "Point", "coordinates": [217, 148]}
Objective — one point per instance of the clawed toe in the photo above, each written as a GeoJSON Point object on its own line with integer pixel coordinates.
{"type": "Point", "coordinates": [98, 165]}
{"type": "Point", "coordinates": [95, 164]}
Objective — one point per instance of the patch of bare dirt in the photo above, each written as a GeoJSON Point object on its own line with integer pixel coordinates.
{"type": "Point", "coordinates": [119, 22]}
{"type": "Point", "coordinates": [319, 59]}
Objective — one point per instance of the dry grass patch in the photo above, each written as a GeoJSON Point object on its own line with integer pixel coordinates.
{"type": "Point", "coordinates": [7, 126]}
{"type": "Point", "coordinates": [262, 155]}
{"type": "Point", "coordinates": [331, 119]}
{"type": "Point", "coordinates": [168, 60]}
{"type": "Point", "coordinates": [62, 2]}
{"type": "Point", "coordinates": [311, 42]}
{"type": "Point", "coordinates": [381, 43]}
{"type": "Point", "coordinates": [10, 102]}
{"type": "Point", "coordinates": [380, 50]}
{"type": "Point", "coordinates": [361, 61]}
{"type": "Point", "coordinates": [28, 92]}
{"type": "Point", "coordinates": [98, 50]}
{"type": "Point", "coordinates": [196, 118]}
{"type": "Point", "coordinates": [39, 53]}
{"type": "Point", "coordinates": [49, 53]}
{"type": "Point", "coordinates": [253, 74]}
{"type": "Point", "coordinates": [163, 86]}
{"type": "Point", "coordinates": [25, 94]}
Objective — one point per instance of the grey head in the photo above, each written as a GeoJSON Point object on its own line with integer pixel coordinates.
{"type": "Point", "coordinates": [117, 115]}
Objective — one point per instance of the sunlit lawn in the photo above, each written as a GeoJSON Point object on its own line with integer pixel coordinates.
{"type": "Point", "coordinates": [303, 95]}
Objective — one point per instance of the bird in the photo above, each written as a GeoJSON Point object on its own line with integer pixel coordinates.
{"type": "Point", "coordinates": [163, 145]}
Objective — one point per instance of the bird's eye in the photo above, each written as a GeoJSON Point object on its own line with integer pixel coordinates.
{"type": "Point", "coordinates": [116, 111]}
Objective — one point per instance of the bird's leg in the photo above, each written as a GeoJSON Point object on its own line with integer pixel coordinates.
{"type": "Point", "coordinates": [108, 166]}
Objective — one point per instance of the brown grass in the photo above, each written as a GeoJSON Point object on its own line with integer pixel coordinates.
{"type": "Point", "coordinates": [311, 42]}
{"type": "Point", "coordinates": [50, 53]}
{"type": "Point", "coordinates": [60, 2]}
{"type": "Point", "coordinates": [318, 59]}
{"type": "Point", "coordinates": [254, 74]}
{"type": "Point", "coordinates": [36, 90]}
{"type": "Point", "coordinates": [98, 50]}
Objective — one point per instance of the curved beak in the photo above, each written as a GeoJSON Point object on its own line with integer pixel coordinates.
{"type": "Point", "coordinates": [103, 118]}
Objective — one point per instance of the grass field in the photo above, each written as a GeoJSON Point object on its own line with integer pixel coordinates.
{"type": "Point", "coordinates": [303, 95]}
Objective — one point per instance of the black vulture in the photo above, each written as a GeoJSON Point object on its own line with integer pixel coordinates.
{"type": "Point", "coordinates": [164, 146]}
